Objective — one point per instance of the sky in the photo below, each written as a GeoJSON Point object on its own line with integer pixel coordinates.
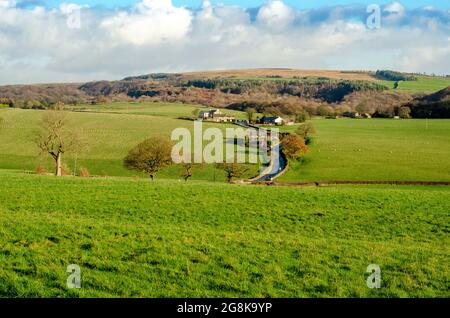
{"type": "Point", "coordinates": [302, 4]}
{"type": "Point", "coordinates": [79, 40]}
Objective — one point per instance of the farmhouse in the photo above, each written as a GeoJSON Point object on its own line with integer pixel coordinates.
{"type": "Point", "coordinates": [215, 115]}
{"type": "Point", "coordinates": [357, 115]}
{"type": "Point", "coordinates": [277, 121]}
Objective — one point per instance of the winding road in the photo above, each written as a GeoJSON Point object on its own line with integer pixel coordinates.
{"type": "Point", "coordinates": [278, 161]}
{"type": "Point", "coordinates": [276, 167]}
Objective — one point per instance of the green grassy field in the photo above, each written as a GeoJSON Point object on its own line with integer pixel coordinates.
{"type": "Point", "coordinates": [425, 85]}
{"type": "Point", "coordinates": [135, 238]}
{"type": "Point", "coordinates": [375, 149]}
{"type": "Point", "coordinates": [170, 110]}
{"type": "Point", "coordinates": [111, 131]}
{"type": "Point", "coordinates": [343, 149]}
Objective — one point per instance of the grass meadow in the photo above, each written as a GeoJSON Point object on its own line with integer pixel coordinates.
{"type": "Point", "coordinates": [168, 110]}
{"type": "Point", "coordinates": [375, 149]}
{"type": "Point", "coordinates": [423, 85]}
{"type": "Point", "coordinates": [110, 130]}
{"type": "Point", "coordinates": [136, 238]}
{"type": "Point", "coordinates": [343, 149]}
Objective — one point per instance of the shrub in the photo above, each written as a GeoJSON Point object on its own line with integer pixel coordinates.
{"type": "Point", "coordinates": [41, 170]}
{"type": "Point", "coordinates": [304, 160]}
{"type": "Point", "coordinates": [65, 170]}
{"type": "Point", "coordinates": [84, 172]}
{"type": "Point", "coordinates": [404, 112]}
{"type": "Point", "coordinates": [309, 140]}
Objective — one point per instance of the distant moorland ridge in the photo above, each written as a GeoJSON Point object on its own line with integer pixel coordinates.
{"type": "Point", "coordinates": [277, 91]}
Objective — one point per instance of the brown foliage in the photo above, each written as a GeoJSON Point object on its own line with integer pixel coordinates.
{"type": "Point", "coordinates": [41, 170]}
{"type": "Point", "coordinates": [84, 172]}
{"type": "Point", "coordinates": [293, 146]}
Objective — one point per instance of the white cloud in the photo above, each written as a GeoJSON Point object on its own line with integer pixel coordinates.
{"type": "Point", "coordinates": [36, 45]}
{"type": "Point", "coordinates": [395, 8]}
{"type": "Point", "coordinates": [152, 22]}
{"type": "Point", "coordinates": [276, 15]}
{"type": "Point", "coordinates": [7, 3]}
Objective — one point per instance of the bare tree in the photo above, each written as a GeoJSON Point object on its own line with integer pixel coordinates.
{"type": "Point", "coordinates": [56, 138]}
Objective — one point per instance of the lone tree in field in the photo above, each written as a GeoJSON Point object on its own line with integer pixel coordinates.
{"type": "Point", "coordinates": [251, 114]}
{"type": "Point", "coordinates": [195, 113]}
{"type": "Point", "coordinates": [56, 138]}
{"type": "Point", "coordinates": [305, 131]}
{"type": "Point", "coordinates": [293, 146]}
{"type": "Point", "coordinates": [232, 170]}
{"type": "Point", "coordinates": [150, 156]}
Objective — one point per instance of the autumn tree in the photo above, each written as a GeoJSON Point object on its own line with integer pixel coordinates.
{"type": "Point", "coordinates": [150, 156]}
{"type": "Point", "coordinates": [56, 138]}
{"type": "Point", "coordinates": [293, 146]}
{"type": "Point", "coordinates": [232, 170]}
{"type": "Point", "coordinates": [404, 112]}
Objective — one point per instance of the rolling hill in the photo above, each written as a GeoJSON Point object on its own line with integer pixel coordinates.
{"type": "Point", "coordinates": [318, 85]}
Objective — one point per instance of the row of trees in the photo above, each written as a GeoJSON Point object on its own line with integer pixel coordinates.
{"type": "Point", "coordinates": [322, 88]}
{"type": "Point", "coordinates": [155, 153]}
{"type": "Point", "coordinates": [394, 76]}
{"type": "Point", "coordinates": [56, 137]}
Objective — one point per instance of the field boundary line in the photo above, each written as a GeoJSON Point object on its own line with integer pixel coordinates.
{"type": "Point", "coordinates": [362, 182]}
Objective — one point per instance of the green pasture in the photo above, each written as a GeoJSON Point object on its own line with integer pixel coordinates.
{"type": "Point", "coordinates": [375, 149]}
{"type": "Point", "coordinates": [136, 238]}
